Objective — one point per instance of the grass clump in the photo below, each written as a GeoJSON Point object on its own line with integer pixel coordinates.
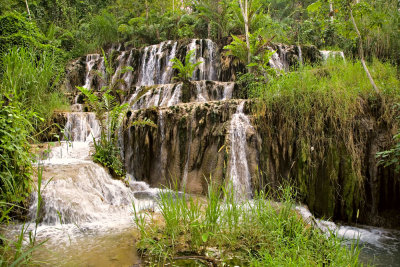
{"type": "Point", "coordinates": [221, 229]}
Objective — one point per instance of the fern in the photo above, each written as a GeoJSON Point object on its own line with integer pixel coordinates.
{"type": "Point", "coordinates": [185, 71]}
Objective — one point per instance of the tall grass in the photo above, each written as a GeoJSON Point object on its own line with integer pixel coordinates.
{"type": "Point", "coordinates": [31, 78]}
{"type": "Point", "coordinates": [225, 230]}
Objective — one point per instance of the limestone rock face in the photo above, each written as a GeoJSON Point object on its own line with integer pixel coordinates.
{"type": "Point", "coordinates": [189, 147]}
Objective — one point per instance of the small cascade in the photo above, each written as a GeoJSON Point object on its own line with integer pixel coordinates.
{"type": "Point", "coordinates": [121, 64]}
{"type": "Point", "coordinates": [127, 77]}
{"type": "Point", "coordinates": [91, 60]}
{"type": "Point", "coordinates": [81, 127]}
{"type": "Point", "coordinates": [167, 75]}
{"type": "Point", "coordinates": [151, 69]}
{"type": "Point", "coordinates": [205, 51]}
{"type": "Point", "coordinates": [186, 169]}
{"type": "Point", "coordinates": [300, 55]}
{"type": "Point", "coordinates": [332, 54]}
{"type": "Point", "coordinates": [82, 193]}
{"type": "Point", "coordinates": [163, 153]}
{"type": "Point", "coordinates": [275, 61]}
{"type": "Point", "coordinates": [239, 170]}
{"type": "Point", "coordinates": [283, 57]}
{"type": "Point", "coordinates": [175, 98]}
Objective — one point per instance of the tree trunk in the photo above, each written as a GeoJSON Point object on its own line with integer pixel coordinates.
{"type": "Point", "coordinates": [244, 9]}
{"type": "Point", "coordinates": [209, 29]}
{"type": "Point", "coordinates": [331, 11]}
{"type": "Point", "coordinates": [361, 51]}
{"type": "Point", "coordinates": [27, 8]}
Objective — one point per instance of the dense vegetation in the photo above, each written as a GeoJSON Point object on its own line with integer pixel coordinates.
{"type": "Point", "coordinates": [38, 38]}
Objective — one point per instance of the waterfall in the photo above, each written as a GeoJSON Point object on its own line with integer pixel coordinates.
{"type": "Point", "coordinates": [300, 55]}
{"type": "Point", "coordinates": [127, 77]}
{"type": "Point", "coordinates": [151, 65]}
{"type": "Point", "coordinates": [81, 127]}
{"type": "Point", "coordinates": [186, 169]}
{"type": "Point", "coordinates": [86, 194]}
{"type": "Point", "coordinates": [175, 99]}
{"type": "Point", "coordinates": [239, 169]}
{"type": "Point", "coordinates": [200, 88]}
{"type": "Point", "coordinates": [206, 70]}
{"type": "Point", "coordinates": [228, 91]}
{"type": "Point", "coordinates": [275, 61]}
{"type": "Point", "coordinates": [91, 60]}
{"type": "Point", "coordinates": [283, 57]}
{"type": "Point", "coordinates": [170, 94]}
{"type": "Point", "coordinates": [167, 75]}
{"type": "Point", "coordinates": [212, 54]}
{"type": "Point", "coordinates": [120, 60]}
{"type": "Point", "coordinates": [331, 54]}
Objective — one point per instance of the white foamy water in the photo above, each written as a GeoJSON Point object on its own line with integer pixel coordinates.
{"type": "Point", "coordinates": [81, 127]}
{"type": "Point", "coordinates": [238, 167]}
{"type": "Point", "coordinates": [379, 246]}
{"type": "Point", "coordinates": [332, 54]}
{"type": "Point", "coordinates": [91, 60]}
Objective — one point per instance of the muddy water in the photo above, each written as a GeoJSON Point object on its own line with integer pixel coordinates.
{"type": "Point", "coordinates": [106, 249]}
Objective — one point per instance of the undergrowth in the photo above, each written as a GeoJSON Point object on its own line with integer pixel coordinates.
{"type": "Point", "coordinates": [223, 230]}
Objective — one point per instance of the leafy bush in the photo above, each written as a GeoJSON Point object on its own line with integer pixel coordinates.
{"type": "Point", "coordinates": [103, 29]}
{"type": "Point", "coordinates": [15, 159]}
{"type": "Point", "coordinates": [16, 30]}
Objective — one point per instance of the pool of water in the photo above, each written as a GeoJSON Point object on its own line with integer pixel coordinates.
{"type": "Point", "coordinates": [97, 249]}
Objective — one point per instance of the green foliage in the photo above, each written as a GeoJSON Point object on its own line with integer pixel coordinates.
{"type": "Point", "coordinates": [16, 30]}
{"type": "Point", "coordinates": [31, 78]}
{"type": "Point", "coordinates": [391, 156]}
{"type": "Point", "coordinates": [103, 29]}
{"type": "Point", "coordinates": [15, 159]}
{"type": "Point", "coordinates": [260, 232]}
{"type": "Point", "coordinates": [109, 113]}
{"type": "Point", "coordinates": [185, 70]}
{"type": "Point", "coordinates": [260, 54]}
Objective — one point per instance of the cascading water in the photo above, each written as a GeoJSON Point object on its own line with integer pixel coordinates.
{"type": "Point", "coordinates": [170, 94]}
{"type": "Point", "coordinates": [239, 170]}
{"type": "Point", "coordinates": [207, 57]}
{"type": "Point", "coordinates": [81, 127]}
{"type": "Point", "coordinates": [91, 60]}
{"type": "Point", "coordinates": [378, 246]}
{"type": "Point", "coordinates": [275, 61]}
{"type": "Point", "coordinates": [167, 75]}
{"type": "Point", "coordinates": [151, 65]}
{"type": "Point", "coordinates": [300, 55]}
{"type": "Point", "coordinates": [332, 54]}
{"type": "Point", "coordinates": [80, 199]}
